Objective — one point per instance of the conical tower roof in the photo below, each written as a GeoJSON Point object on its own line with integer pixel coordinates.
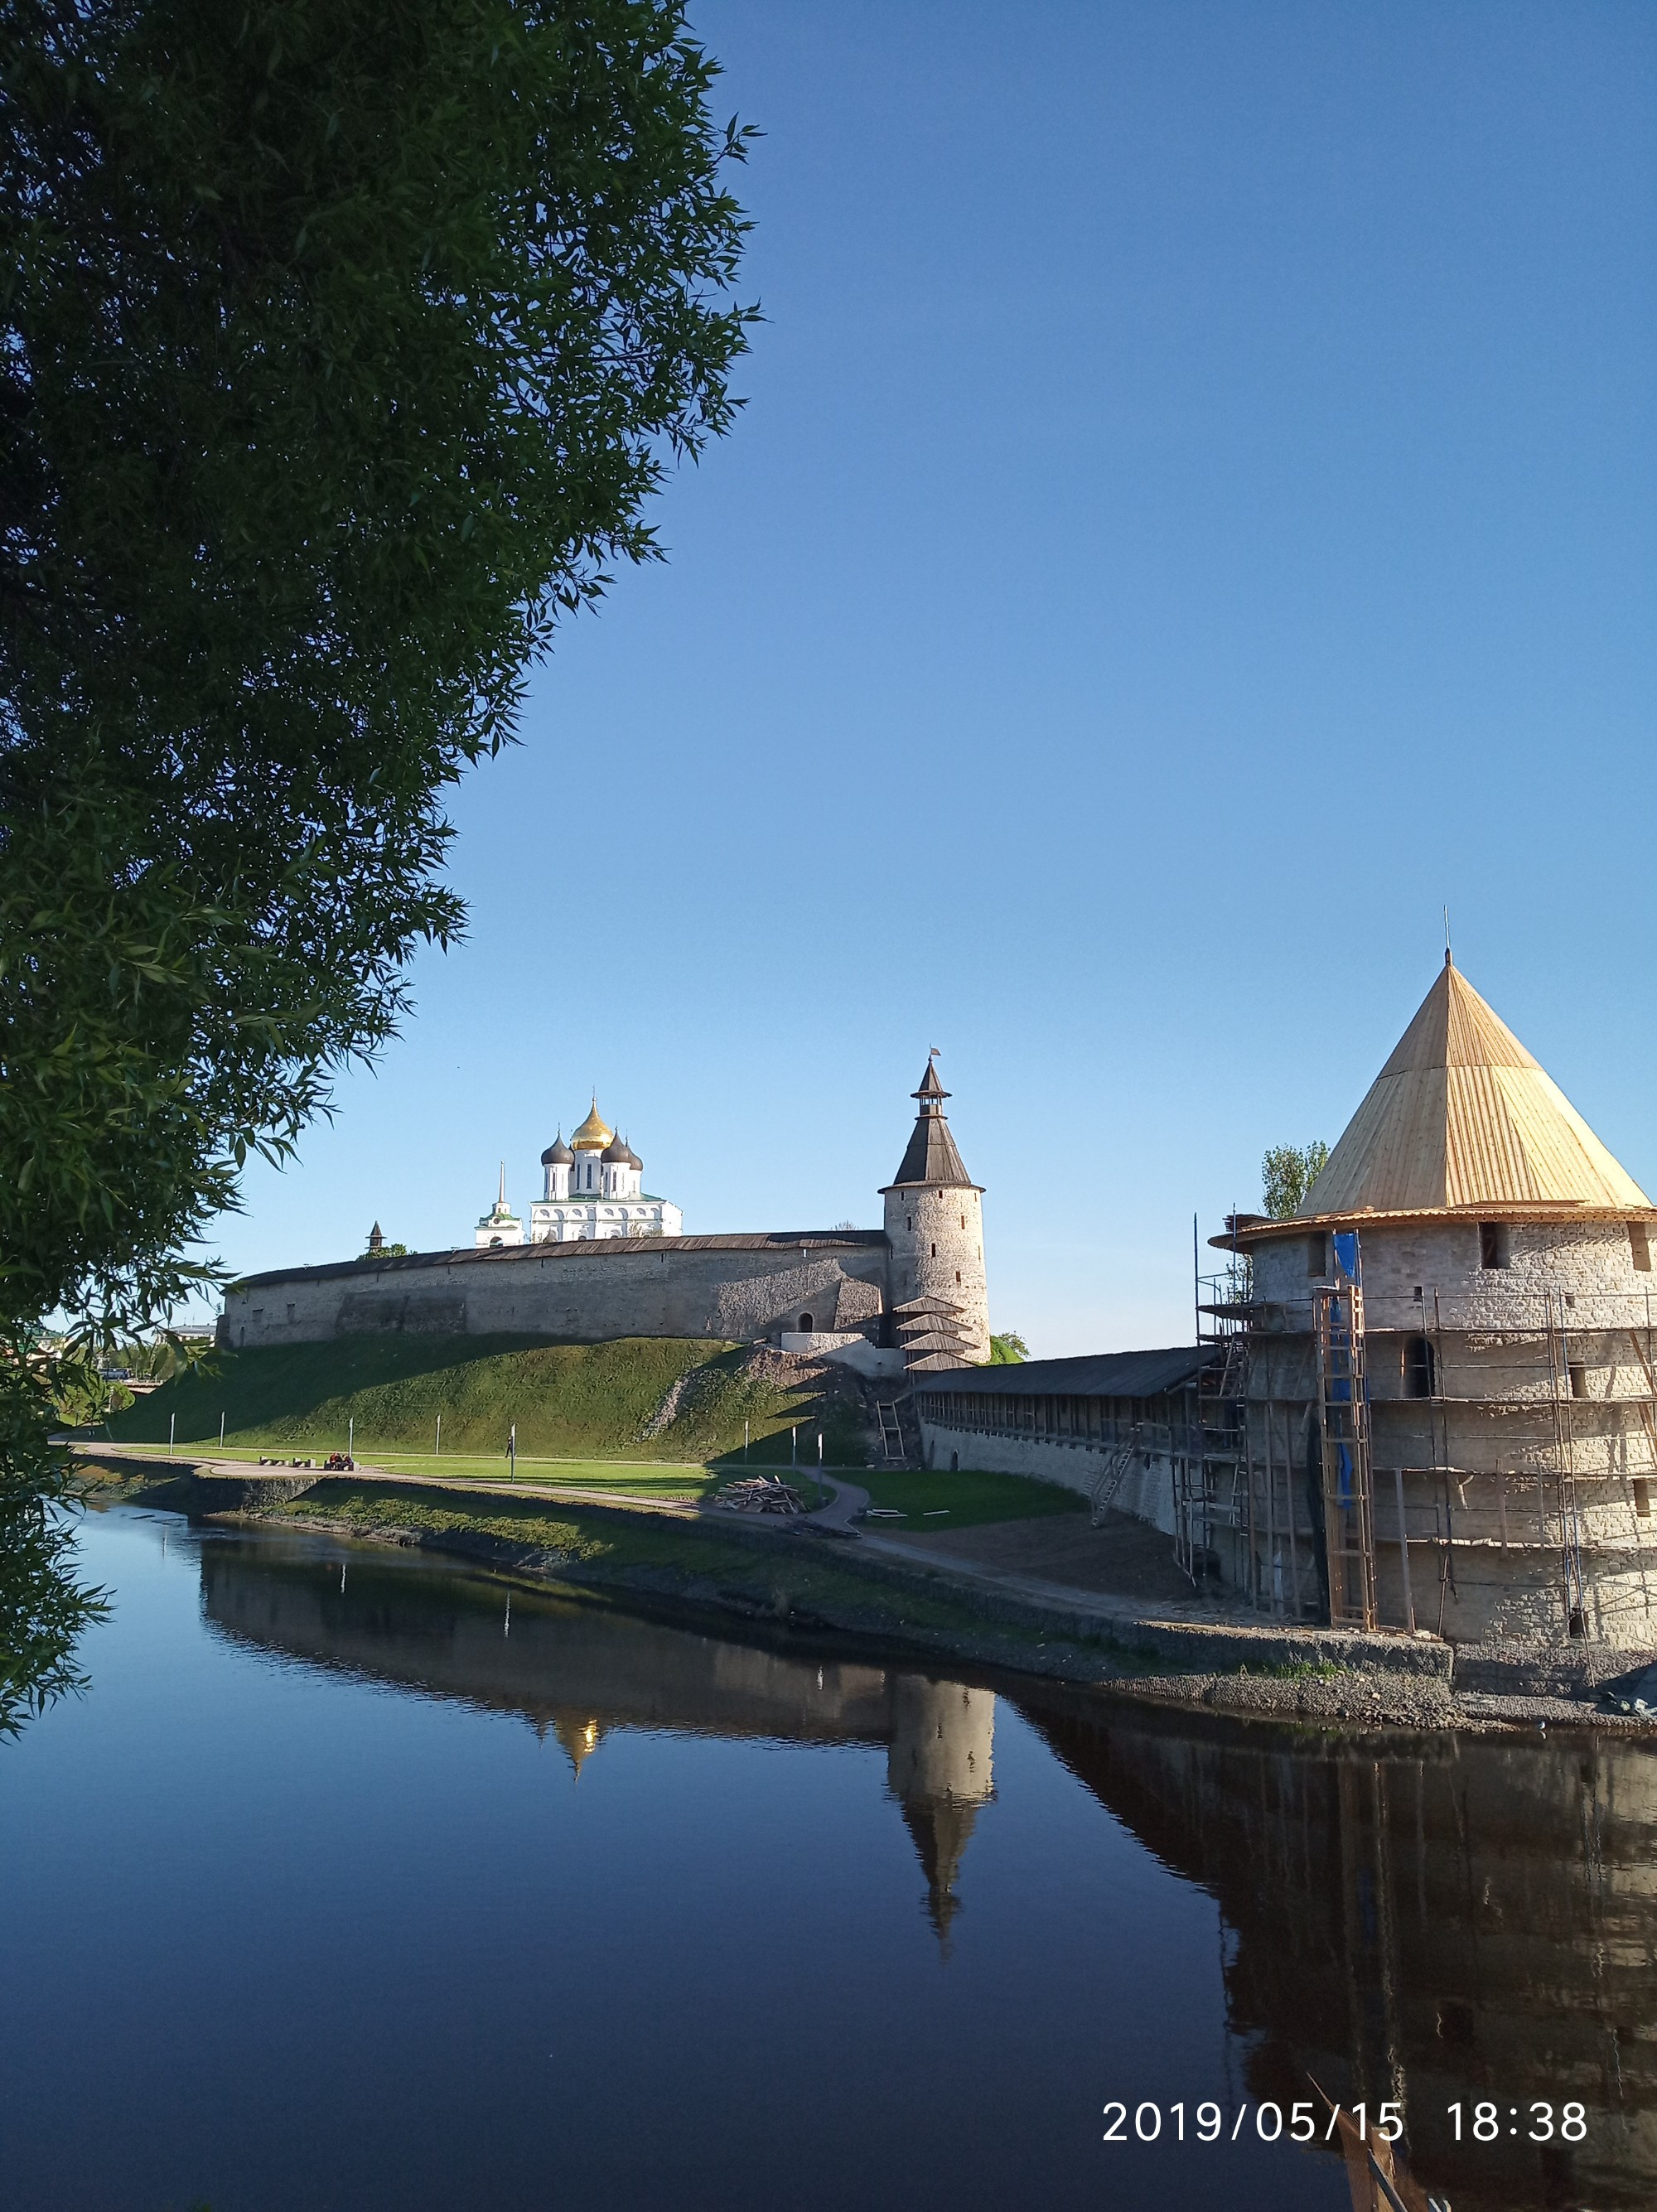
{"type": "Point", "coordinates": [931, 1155]}
{"type": "Point", "coordinates": [1463, 1119]}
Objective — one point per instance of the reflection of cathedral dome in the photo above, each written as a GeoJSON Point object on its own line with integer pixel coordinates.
{"type": "Point", "coordinates": [594, 1133]}
{"type": "Point", "coordinates": [580, 1738]}
{"type": "Point", "coordinates": [558, 1154]}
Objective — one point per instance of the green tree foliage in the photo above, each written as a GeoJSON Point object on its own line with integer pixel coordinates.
{"type": "Point", "coordinates": [1008, 1350]}
{"type": "Point", "coordinates": [1287, 1173]}
{"type": "Point", "coordinates": [343, 346]}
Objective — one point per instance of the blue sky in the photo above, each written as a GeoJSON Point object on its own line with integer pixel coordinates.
{"type": "Point", "coordinates": [1194, 518]}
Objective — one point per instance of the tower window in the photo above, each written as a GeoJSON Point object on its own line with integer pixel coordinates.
{"type": "Point", "coordinates": [963, 1221]}
{"type": "Point", "coordinates": [1640, 1245]}
{"type": "Point", "coordinates": [805, 1324]}
{"type": "Point", "coordinates": [1317, 1254]}
{"type": "Point", "coordinates": [957, 1274]}
{"type": "Point", "coordinates": [908, 1221]}
{"type": "Point", "coordinates": [1642, 1497]}
{"type": "Point", "coordinates": [934, 1251]}
{"type": "Point", "coordinates": [1420, 1375]}
{"type": "Point", "coordinates": [1578, 1378]}
{"type": "Point", "coordinates": [1493, 1244]}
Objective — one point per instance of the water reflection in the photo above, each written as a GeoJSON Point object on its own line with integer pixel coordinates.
{"type": "Point", "coordinates": [578, 1672]}
{"type": "Point", "coordinates": [1461, 1918]}
{"type": "Point", "coordinates": [1426, 1921]}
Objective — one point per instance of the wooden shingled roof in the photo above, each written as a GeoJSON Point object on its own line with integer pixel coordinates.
{"type": "Point", "coordinates": [1463, 1119]}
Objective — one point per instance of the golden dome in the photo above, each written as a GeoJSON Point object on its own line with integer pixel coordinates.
{"type": "Point", "coordinates": [593, 1134]}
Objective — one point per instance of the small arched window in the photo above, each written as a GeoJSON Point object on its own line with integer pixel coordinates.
{"type": "Point", "coordinates": [805, 1324]}
{"type": "Point", "coordinates": [934, 1251]}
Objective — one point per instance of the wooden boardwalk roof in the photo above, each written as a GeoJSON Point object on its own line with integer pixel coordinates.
{"type": "Point", "coordinates": [1462, 1118]}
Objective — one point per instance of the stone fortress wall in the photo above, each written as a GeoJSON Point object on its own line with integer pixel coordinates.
{"type": "Point", "coordinates": [734, 1288]}
{"type": "Point", "coordinates": [780, 1284]}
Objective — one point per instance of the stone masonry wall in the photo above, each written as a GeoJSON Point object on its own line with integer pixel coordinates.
{"type": "Point", "coordinates": [1146, 1490]}
{"type": "Point", "coordinates": [587, 1294]}
{"type": "Point", "coordinates": [1486, 1532]}
{"type": "Point", "coordinates": [937, 1240]}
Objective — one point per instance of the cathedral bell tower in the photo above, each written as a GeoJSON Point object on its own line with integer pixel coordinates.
{"type": "Point", "coordinates": [935, 1231]}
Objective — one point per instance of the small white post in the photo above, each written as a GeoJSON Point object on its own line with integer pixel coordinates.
{"type": "Point", "coordinates": [350, 1436]}
{"type": "Point", "coordinates": [511, 1454]}
{"type": "Point", "coordinates": [744, 1440]}
{"type": "Point", "coordinates": [172, 1425]}
{"type": "Point", "coordinates": [438, 1447]}
{"type": "Point", "coordinates": [220, 1431]}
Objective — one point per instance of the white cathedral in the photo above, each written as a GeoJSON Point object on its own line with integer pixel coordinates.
{"type": "Point", "coordinates": [594, 1188]}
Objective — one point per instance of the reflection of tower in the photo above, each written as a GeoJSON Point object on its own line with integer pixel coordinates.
{"type": "Point", "coordinates": [581, 1739]}
{"type": "Point", "coordinates": [939, 1766]}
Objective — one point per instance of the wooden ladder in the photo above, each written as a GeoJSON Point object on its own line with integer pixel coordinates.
{"type": "Point", "coordinates": [1349, 1524]}
{"type": "Point", "coordinates": [891, 1433]}
{"type": "Point", "coordinates": [1110, 1479]}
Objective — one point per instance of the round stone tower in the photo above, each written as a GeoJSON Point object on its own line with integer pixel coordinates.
{"type": "Point", "coordinates": [935, 1229]}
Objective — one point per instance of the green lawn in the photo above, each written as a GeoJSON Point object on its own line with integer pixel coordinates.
{"type": "Point", "coordinates": [569, 1401]}
{"type": "Point", "coordinates": [938, 1501]}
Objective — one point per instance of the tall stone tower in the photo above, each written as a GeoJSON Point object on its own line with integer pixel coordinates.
{"type": "Point", "coordinates": [935, 1228]}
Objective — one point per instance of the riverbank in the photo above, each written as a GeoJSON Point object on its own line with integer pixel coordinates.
{"type": "Point", "coordinates": [816, 1578]}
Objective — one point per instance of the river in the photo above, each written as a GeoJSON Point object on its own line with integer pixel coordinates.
{"type": "Point", "coordinates": [356, 1880]}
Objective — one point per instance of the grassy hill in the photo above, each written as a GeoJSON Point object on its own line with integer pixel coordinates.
{"type": "Point", "coordinates": [637, 1398]}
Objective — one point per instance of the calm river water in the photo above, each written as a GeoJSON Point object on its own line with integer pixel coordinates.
{"type": "Point", "coordinates": [344, 1886]}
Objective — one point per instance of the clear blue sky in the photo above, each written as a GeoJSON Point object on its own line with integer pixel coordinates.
{"type": "Point", "coordinates": [1194, 518]}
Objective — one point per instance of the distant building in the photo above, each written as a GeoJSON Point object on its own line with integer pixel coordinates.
{"type": "Point", "coordinates": [594, 1188]}
{"type": "Point", "coordinates": [499, 1225]}
{"type": "Point", "coordinates": [603, 1258]}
